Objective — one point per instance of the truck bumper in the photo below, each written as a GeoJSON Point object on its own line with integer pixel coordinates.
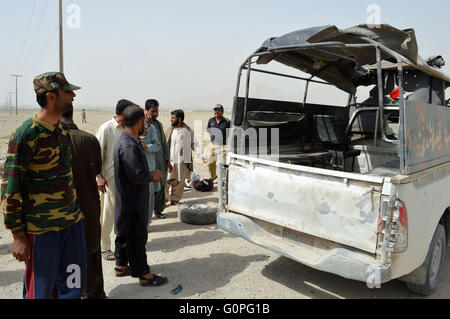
{"type": "Point", "coordinates": [314, 252]}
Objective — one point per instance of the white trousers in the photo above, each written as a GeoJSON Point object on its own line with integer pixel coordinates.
{"type": "Point", "coordinates": [107, 203]}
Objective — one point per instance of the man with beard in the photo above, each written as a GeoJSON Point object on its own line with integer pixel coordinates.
{"type": "Point", "coordinates": [39, 200]}
{"type": "Point", "coordinates": [162, 159]}
{"type": "Point", "coordinates": [181, 141]}
{"type": "Point", "coordinates": [151, 145]}
{"type": "Point", "coordinates": [132, 178]}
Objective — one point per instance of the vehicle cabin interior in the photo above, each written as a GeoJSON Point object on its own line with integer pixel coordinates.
{"type": "Point", "coordinates": [342, 137]}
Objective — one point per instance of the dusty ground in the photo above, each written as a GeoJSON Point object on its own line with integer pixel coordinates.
{"type": "Point", "coordinates": [206, 261]}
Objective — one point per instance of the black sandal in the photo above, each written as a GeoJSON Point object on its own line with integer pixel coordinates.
{"type": "Point", "coordinates": [122, 272]}
{"type": "Point", "coordinates": [155, 281]}
{"type": "Point", "coordinates": [160, 215]}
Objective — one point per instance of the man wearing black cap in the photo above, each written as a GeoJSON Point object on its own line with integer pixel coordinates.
{"type": "Point", "coordinates": [108, 134]}
{"type": "Point", "coordinates": [217, 129]}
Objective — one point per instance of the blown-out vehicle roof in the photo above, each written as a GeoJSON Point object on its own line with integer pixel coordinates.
{"type": "Point", "coordinates": [343, 57]}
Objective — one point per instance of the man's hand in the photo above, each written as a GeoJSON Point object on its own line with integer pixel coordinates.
{"type": "Point", "coordinates": [148, 118]}
{"type": "Point", "coordinates": [101, 183]}
{"type": "Point", "coordinates": [21, 248]}
{"type": "Point", "coordinates": [170, 167]}
{"type": "Point", "coordinates": [157, 175]}
{"type": "Point", "coordinates": [143, 145]}
{"type": "Point", "coordinates": [205, 158]}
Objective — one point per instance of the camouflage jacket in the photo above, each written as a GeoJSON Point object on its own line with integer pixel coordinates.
{"type": "Point", "coordinates": [37, 193]}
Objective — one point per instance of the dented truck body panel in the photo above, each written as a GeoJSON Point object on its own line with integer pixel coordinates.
{"type": "Point", "coordinates": [336, 234]}
{"type": "Point", "coordinates": [312, 251]}
{"type": "Point", "coordinates": [337, 209]}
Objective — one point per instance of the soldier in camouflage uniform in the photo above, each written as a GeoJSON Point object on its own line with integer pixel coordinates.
{"type": "Point", "coordinates": [39, 199]}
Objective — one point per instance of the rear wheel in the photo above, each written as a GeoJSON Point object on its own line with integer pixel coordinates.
{"type": "Point", "coordinates": [433, 264]}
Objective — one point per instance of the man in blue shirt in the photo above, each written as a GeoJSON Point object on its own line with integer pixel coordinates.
{"type": "Point", "coordinates": [218, 127]}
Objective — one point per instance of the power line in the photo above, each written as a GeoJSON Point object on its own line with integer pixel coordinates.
{"type": "Point", "coordinates": [45, 48]}
{"type": "Point", "coordinates": [26, 34]}
{"type": "Point", "coordinates": [34, 37]}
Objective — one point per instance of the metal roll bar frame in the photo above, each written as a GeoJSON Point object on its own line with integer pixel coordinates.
{"type": "Point", "coordinates": [370, 44]}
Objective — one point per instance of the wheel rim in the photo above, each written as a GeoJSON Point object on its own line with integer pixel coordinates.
{"type": "Point", "coordinates": [436, 260]}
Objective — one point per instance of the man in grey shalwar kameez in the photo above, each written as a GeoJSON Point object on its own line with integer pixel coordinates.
{"type": "Point", "coordinates": [162, 157]}
{"type": "Point", "coordinates": [151, 146]}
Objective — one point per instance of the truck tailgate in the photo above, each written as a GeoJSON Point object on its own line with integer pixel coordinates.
{"type": "Point", "coordinates": [333, 206]}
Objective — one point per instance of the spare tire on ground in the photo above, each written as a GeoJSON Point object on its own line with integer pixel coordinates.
{"type": "Point", "coordinates": [198, 214]}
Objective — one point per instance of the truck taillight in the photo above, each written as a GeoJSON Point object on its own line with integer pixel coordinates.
{"type": "Point", "coordinates": [403, 216]}
{"type": "Point", "coordinates": [399, 234]}
{"type": "Point", "coordinates": [399, 229]}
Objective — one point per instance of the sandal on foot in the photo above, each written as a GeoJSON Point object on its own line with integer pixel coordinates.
{"type": "Point", "coordinates": [122, 272]}
{"type": "Point", "coordinates": [108, 256]}
{"type": "Point", "coordinates": [154, 281]}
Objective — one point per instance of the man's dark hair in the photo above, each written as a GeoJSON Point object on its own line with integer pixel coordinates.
{"type": "Point", "coordinates": [132, 115]}
{"type": "Point", "coordinates": [41, 98]}
{"type": "Point", "coordinates": [179, 114]}
{"type": "Point", "coordinates": [122, 105]}
{"type": "Point", "coordinates": [151, 103]}
{"type": "Point", "coordinates": [68, 115]}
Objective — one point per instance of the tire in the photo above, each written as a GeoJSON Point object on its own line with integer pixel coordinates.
{"type": "Point", "coordinates": [433, 264]}
{"type": "Point", "coordinates": [198, 214]}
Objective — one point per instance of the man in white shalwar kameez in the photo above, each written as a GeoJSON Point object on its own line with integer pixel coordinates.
{"type": "Point", "coordinates": [181, 142]}
{"type": "Point", "coordinates": [108, 134]}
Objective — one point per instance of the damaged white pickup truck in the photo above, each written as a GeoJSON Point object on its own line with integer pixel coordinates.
{"type": "Point", "coordinates": [360, 190]}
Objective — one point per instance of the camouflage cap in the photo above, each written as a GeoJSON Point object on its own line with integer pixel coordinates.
{"type": "Point", "coordinates": [51, 81]}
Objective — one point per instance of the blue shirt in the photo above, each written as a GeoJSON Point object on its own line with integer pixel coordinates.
{"type": "Point", "coordinates": [222, 126]}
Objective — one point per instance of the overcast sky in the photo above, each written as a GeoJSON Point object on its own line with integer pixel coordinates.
{"type": "Point", "coordinates": [183, 53]}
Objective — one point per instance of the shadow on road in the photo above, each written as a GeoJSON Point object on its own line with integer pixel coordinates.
{"type": "Point", "coordinates": [11, 277]}
{"type": "Point", "coordinates": [5, 249]}
{"type": "Point", "coordinates": [169, 244]}
{"type": "Point", "coordinates": [156, 227]}
{"type": "Point", "coordinates": [321, 285]}
{"type": "Point", "coordinates": [196, 275]}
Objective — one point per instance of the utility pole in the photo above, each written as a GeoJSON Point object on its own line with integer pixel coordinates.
{"type": "Point", "coordinates": [10, 94]}
{"type": "Point", "coordinates": [17, 103]}
{"type": "Point", "coordinates": [61, 52]}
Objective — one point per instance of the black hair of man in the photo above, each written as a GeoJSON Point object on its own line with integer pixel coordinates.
{"type": "Point", "coordinates": [151, 103]}
{"type": "Point", "coordinates": [179, 114]}
{"type": "Point", "coordinates": [122, 105]}
{"type": "Point", "coordinates": [68, 115]}
{"type": "Point", "coordinates": [41, 98]}
{"type": "Point", "coordinates": [132, 115]}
